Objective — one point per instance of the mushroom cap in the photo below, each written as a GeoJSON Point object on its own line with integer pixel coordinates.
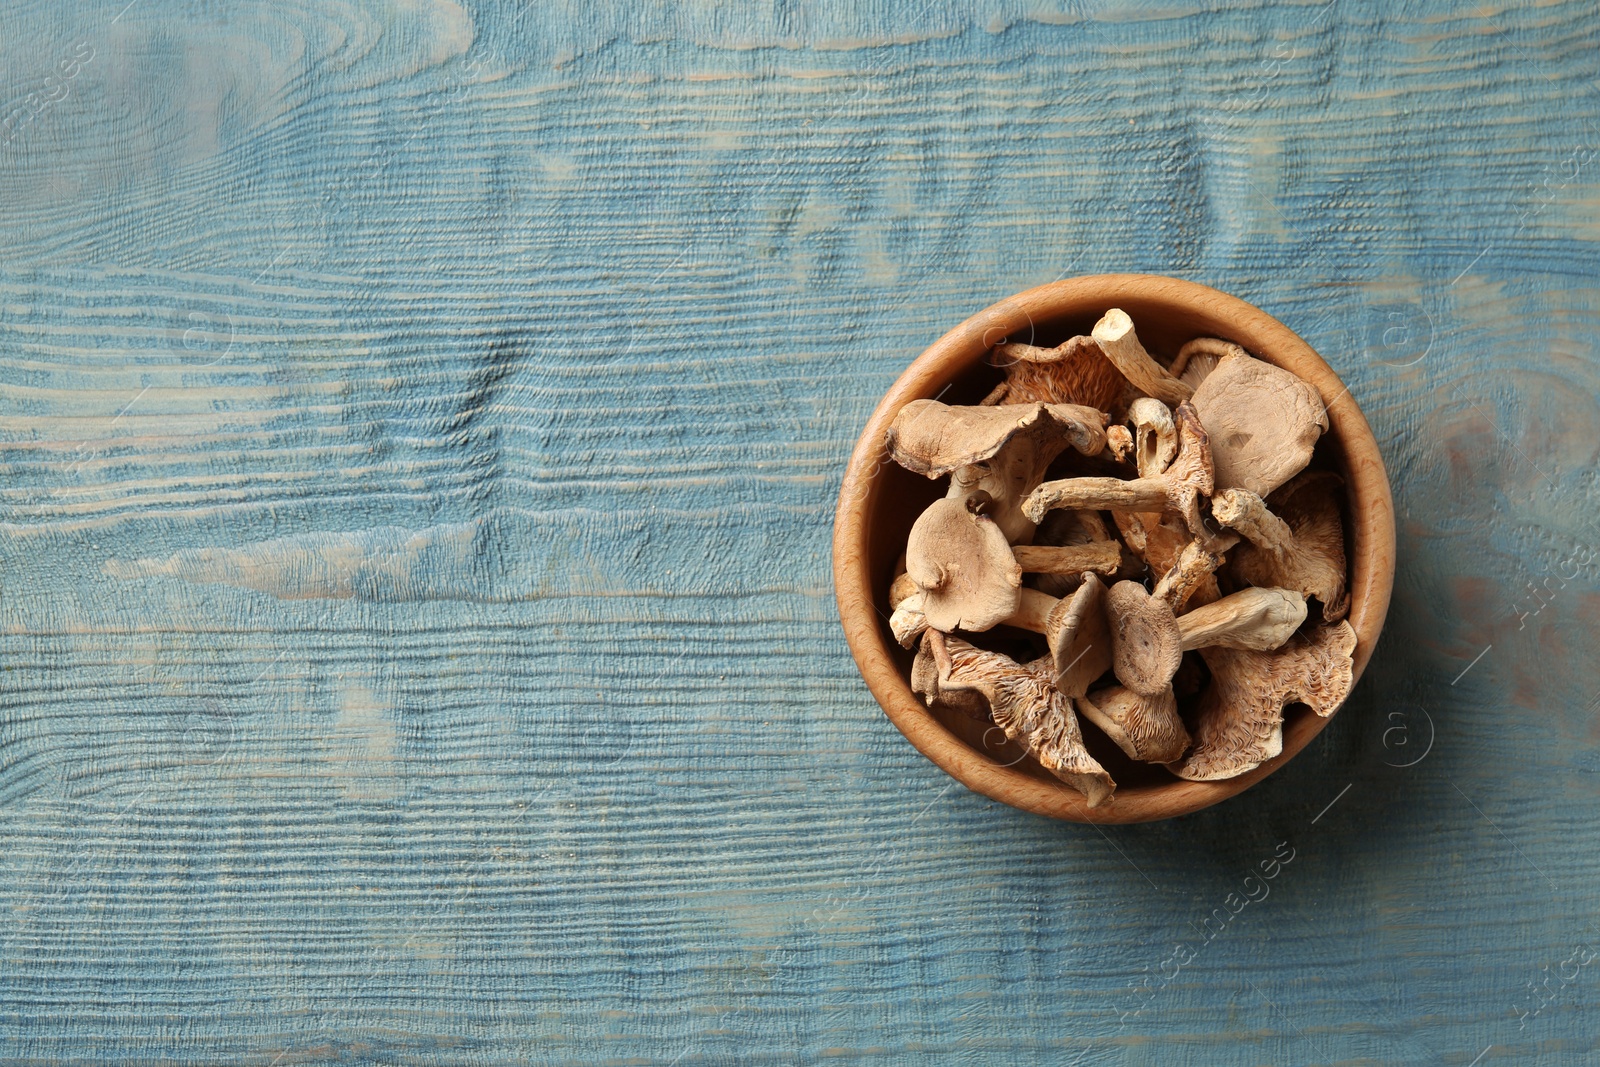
{"type": "Point", "coordinates": [1145, 727]}
{"type": "Point", "coordinates": [1031, 712]}
{"type": "Point", "coordinates": [933, 439]}
{"type": "Point", "coordinates": [1074, 372]}
{"type": "Point", "coordinates": [1146, 645]}
{"type": "Point", "coordinates": [1262, 422]}
{"type": "Point", "coordinates": [1080, 640]}
{"type": "Point", "coordinates": [1309, 503]}
{"type": "Point", "coordinates": [1239, 724]}
{"type": "Point", "coordinates": [963, 564]}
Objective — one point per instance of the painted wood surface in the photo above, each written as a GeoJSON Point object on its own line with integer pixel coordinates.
{"type": "Point", "coordinates": [420, 426]}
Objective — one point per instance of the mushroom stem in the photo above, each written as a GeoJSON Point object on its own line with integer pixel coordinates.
{"type": "Point", "coordinates": [1033, 611]}
{"type": "Point", "coordinates": [1102, 556]}
{"type": "Point", "coordinates": [1116, 338]}
{"type": "Point", "coordinates": [1242, 510]}
{"type": "Point", "coordinates": [1113, 494]}
{"type": "Point", "coordinates": [1074, 627]}
{"type": "Point", "coordinates": [1254, 618]}
{"type": "Point", "coordinates": [1155, 436]}
{"type": "Point", "coordinates": [1196, 563]}
{"type": "Point", "coordinates": [995, 395]}
{"type": "Point", "coordinates": [1180, 487]}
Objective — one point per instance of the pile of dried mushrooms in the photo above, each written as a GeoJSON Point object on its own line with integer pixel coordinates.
{"type": "Point", "coordinates": [1167, 574]}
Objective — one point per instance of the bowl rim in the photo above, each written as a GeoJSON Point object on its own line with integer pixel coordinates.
{"type": "Point", "coordinates": [1370, 518]}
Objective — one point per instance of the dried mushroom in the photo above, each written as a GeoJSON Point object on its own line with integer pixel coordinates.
{"type": "Point", "coordinates": [1076, 631]}
{"type": "Point", "coordinates": [963, 565]}
{"type": "Point", "coordinates": [1179, 487]}
{"type": "Point", "coordinates": [1102, 556]}
{"type": "Point", "coordinates": [1146, 644]}
{"type": "Point", "coordinates": [1116, 338]}
{"type": "Point", "coordinates": [1261, 420]}
{"type": "Point", "coordinates": [1074, 372]}
{"type": "Point", "coordinates": [1240, 722]}
{"type": "Point", "coordinates": [1031, 712]}
{"type": "Point", "coordinates": [925, 672]}
{"type": "Point", "coordinates": [1074, 529]}
{"type": "Point", "coordinates": [1145, 727]}
{"type": "Point", "coordinates": [1198, 358]}
{"type": "Point", "coordinates": [1259, 619]}
{"type": "Point", "coordinates": [1302, 548]}
{"type": "Point", "coordinates": [1002, 450]}
{"type": "Point", "coordinates": [1228, 531]}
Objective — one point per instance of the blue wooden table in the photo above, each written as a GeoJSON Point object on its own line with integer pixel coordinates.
{"type": "Point", "coordinates": [420, 426]}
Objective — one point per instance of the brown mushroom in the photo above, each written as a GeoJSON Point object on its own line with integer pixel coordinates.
{"type": "Point", "coordinates": [1146, 645]}
{"type": "Point", "coordinates": [1148, 638]}
{"type": "Point", "coordinates": [1115, 335]}
{"type": "Point", "coordinates": [1262, 422]}
{"type": "Point", "coordinates": [1147, 728]}
{"type": "Point", "coordinates": [1102, 556]}
{"type": "Point", "coordinates": [1253, 618]}
{"type": "Point", "coordinates": [1179, 487]}
{"type": "Point", "coordinates": [1074, 628]}
{"type": "Point", "coordinates": [908, 622]}
{"type": "Point", "coordinates": [1001, 450]}
{"type": "Point", "coordinates": [1076, 529]}
{"type": "Point", "coordinates": [1155, 436]}
{"type": "Point", "coordinates": [1239, 724]}
{"type": "Point", "coordinates": [961, 562]}
{"type": "Point", "coordinates": [1190, 572]}
{"type": "Point", "coordinates": [1156, 536]}
{"type": "Point", "coordinates": [933, 439]}
{"type": "Point", "coordinates": [1198, 358]}
{"type": "Point", "coordinates": [1119, 442]}
{"type": "Point", "coordinates": [1074, 372]}
{"type": "Point", "coordinates": [906, 601]}
{"type": "Point", "coordinates": [1300, 548]}
{"type": "Point", "coordinates": [925, 671]}
{"type": "Point", "coordinates": [1031, 712]}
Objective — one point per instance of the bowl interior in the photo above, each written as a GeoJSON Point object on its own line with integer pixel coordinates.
{"type": "Point", "coordinates": [881, 500]}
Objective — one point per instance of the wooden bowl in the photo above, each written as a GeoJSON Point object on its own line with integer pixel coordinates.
{"type": "Point", "coordinates": [880, 500]}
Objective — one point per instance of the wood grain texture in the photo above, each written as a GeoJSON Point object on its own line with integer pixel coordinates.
{"type": "Point", "coordinates": [420, 428]}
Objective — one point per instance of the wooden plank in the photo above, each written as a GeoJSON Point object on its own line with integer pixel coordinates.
{"type": "Point", "coordinates": [420, 426]}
